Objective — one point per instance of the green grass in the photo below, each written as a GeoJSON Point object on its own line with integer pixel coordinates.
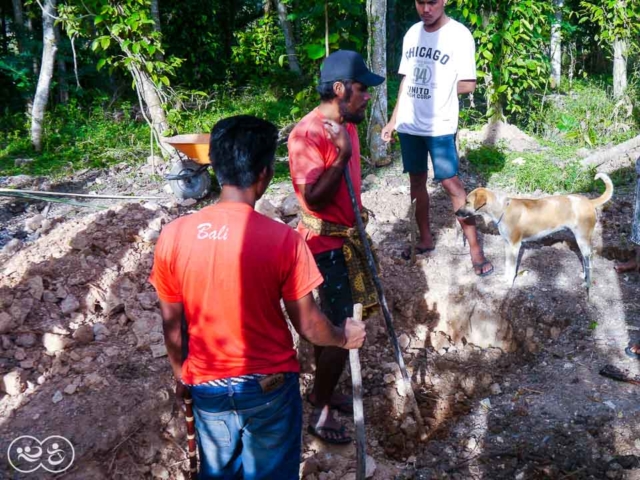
{"type": "Point", "coordinates": [73, 139]}
{"type": "Point", "coordinates": [555, 171]}
{"type": "Point", "coordinates": [586, 115]}
{"type": "Point", "coordinates": [78, 137]}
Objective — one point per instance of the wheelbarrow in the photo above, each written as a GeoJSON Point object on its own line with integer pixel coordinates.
{"type": "Point", "coordinates": [189, 176]}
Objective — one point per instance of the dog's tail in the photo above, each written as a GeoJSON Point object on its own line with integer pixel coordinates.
{"type": "Point", "coordinates": [608, 192]}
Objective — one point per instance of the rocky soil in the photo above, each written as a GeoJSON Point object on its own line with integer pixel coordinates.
{"type": "Point", "coordinates": [506, 378]}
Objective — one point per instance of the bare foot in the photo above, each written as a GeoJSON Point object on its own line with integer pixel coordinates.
{"type": "Point", "coordinates": [481, 266]}
{"type": "Point", "coordinates": [339, 401]}
{"type": "Point", "coordinates": [633, 349]}
{"type": "Point", "coordinates": [625, 267]}
{"type": "Point", "coordinates": [323, 425]}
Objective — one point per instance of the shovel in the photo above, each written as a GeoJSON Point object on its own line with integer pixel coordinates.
{"type": "Point", "coordinates": [358, 409]}
{"type": "Point", "coordinates": [385, 310]}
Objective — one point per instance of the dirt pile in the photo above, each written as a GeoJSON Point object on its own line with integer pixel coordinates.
{"type": "Point", "coordinates": [506, 378]}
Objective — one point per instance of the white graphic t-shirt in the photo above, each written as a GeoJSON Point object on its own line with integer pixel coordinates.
{"type": "Point", "coordinates": [432, 64]}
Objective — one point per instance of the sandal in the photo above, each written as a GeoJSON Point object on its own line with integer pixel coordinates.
{"type": "Point", "coordinates": [406, 254]}
{"type": "Point", "coordinates": [337, 436]}
{"type": "Point", "coordinates": [344, 406]}
{"type": "Point", "coordinates": [631, 353]}
{"type": "Point", "coordinates": [480, 266]}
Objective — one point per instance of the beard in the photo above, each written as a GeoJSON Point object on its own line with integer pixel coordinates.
{"type": "Point", "coordinates": [348, 116]}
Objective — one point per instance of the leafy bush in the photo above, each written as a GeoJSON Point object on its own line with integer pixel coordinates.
{"type": "Point", "coordinates": [587, 116]}
{"type": "Point", "coordinates": [75, 138]}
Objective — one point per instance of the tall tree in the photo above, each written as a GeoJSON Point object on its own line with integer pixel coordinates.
{"type": "Point", "coordinates": [555, 50]}
{"type": "Point", "coordinates": [49, 49]}
{"type": "Point", "coordinates": [128, 26]}
{"type": "Point", "coordinates": [18, 22]}
{"type": "Point", "coordinates": [377, 50]}
{"type": "Point", "coordinates": [63, 86]}
{"type": "Point", "coordinates": [157, 24]}
{"type": "Point", "coordinates": [289, 40]}
{"type": "Point", "coordinates": [619, 23]}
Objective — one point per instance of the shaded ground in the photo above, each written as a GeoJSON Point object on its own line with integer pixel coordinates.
{"type": "Point", "coordinates": [507, 379]}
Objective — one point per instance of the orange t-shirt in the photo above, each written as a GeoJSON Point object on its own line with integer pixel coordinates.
{"type": "Point", "coordinates": [229, 266]}
{"type": "Point", "coordinates": [310, 154]}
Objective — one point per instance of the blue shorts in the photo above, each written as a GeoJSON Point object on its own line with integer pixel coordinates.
{"type": "Point", "coordinates": [417, 149]}
{"type": "Point", "coordinates": [245, 433]}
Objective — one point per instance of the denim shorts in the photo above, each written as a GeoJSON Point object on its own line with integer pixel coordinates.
{"type": "Point", "coordinates": [417, 149]}
{"type": "Point", "coordinates": [243, 433]}
{"type": "Point", "coordinates": [336, 301]}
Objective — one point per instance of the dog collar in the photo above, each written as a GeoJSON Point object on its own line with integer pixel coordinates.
{"type": "Point", "coordinates": [503, 212]}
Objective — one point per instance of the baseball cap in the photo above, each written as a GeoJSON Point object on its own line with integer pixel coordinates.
{"type": "Point", "coordinates": [348, 65]}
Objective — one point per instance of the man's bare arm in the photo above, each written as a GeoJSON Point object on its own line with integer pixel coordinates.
{"type": "Point", "coordinates": [466, 86]}
{"type": "Point", "coordinates": [391, 126]}
{"type": "Point", "coordinates": [171, 325]}
{"type": "Point", "coordinates": [315, 327]}
{"type": "Point", "coordinates": [319, 194]}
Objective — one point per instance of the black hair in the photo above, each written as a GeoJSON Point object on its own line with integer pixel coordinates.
{"type": "Point", "coordinates": [325, 89]}
{"type": "Point", "coordinates": [240, 148]}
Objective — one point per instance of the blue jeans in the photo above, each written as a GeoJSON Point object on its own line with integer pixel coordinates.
{"type": "Point", "coordinates": [243, 433]}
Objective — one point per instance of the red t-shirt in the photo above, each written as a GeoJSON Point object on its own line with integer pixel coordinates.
{"type": "Point", "coordinates": [229, 266]}
{"type": "Point", "coordinates": [310, 154]}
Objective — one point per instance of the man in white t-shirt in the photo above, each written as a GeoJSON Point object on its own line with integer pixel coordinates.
{"type": "Point", "coordinates": [438, 64]}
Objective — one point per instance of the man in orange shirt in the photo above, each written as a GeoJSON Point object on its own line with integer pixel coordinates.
{"type": "Point", "coordinates": [224, 270]}
{"type": "Point", "coordinates": [321, 147]}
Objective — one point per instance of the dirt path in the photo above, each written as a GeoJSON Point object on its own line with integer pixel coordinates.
{"type": "Point", "coordinates": [507, 379]}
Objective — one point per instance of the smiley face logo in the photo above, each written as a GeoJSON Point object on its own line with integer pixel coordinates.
{"type": "Point", "coordinates": [55, 454]}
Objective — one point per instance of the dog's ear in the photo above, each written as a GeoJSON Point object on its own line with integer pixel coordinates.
{"type": "Point", "coordinates": [479, 199]}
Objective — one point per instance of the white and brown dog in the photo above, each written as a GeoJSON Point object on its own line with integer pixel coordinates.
{"type": "Point", "coordinates": [522, 219]}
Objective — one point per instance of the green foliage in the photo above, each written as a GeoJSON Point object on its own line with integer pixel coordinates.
{"type": "Point", "coordinates": [347, 29]}
{"type": "Point", "coordinates": [258, 50]}
{"type": "Point", "coordinates": [555, 171]}
{"type": "Point", "coordinates": [617, 19]}
{"type": "Point", "coordinates": [511, 37]}
{"type": "Point", "coordinates": [75, 138]}
{"type": "Point", "coordinates": [587, 116]}
{"type": "Point", "coordinates": [122, 34]}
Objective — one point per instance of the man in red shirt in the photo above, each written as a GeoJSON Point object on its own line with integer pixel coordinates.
{"type": "Point", "coordinates": [321, 146]}
{"type": "Point", "coordinates": [224, 271]}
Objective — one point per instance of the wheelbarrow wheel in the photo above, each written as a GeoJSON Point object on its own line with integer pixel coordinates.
{"type": "Point", "coordinates": [196, 186]}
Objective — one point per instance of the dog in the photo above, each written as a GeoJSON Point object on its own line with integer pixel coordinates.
{"type": "Point", "coordinates": [522, 219]}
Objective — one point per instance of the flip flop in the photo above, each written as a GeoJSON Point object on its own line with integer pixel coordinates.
{"type": "Point", "coordinates": [480, 266]}
{"type": "Point", "coordinates": [317, 432]}
{"type": "Point", "coordinates": [345, 406]}
{"type": "Point", "coordinates": [631, 353]}
{"type": "Point", "coordinates": [406, 254]}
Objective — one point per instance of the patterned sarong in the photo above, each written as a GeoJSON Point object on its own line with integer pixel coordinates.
{"type": "Point", "coordinates": [363, 289]}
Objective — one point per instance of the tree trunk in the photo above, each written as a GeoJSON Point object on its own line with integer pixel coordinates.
{"type": "Point", "coordinates": [5, 46]}
{"type": "Point", "coordinates": [289, 41]}
{"type": "Point", "coordinates": [613, 154]}
{"type": "Point", "coordinates": [620, 52]}
{"type": "Point", "coordinates": [49, 49]}
{"type": "Point", "coordinates": [377, 50]}
{"type": "Point", "coordinates": [18, 20]}
{"type": "Point", "coordinates": [157, 24]}
{"type": "Point", "coordinates": [63, 86]}
{"type": "Point", "coordinates": [156, 117]}
{"type": "Point", "coordinates": [555, 50]}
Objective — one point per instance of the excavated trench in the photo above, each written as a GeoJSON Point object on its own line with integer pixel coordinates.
{"type": "Point", "coordinates": [506, 378]}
